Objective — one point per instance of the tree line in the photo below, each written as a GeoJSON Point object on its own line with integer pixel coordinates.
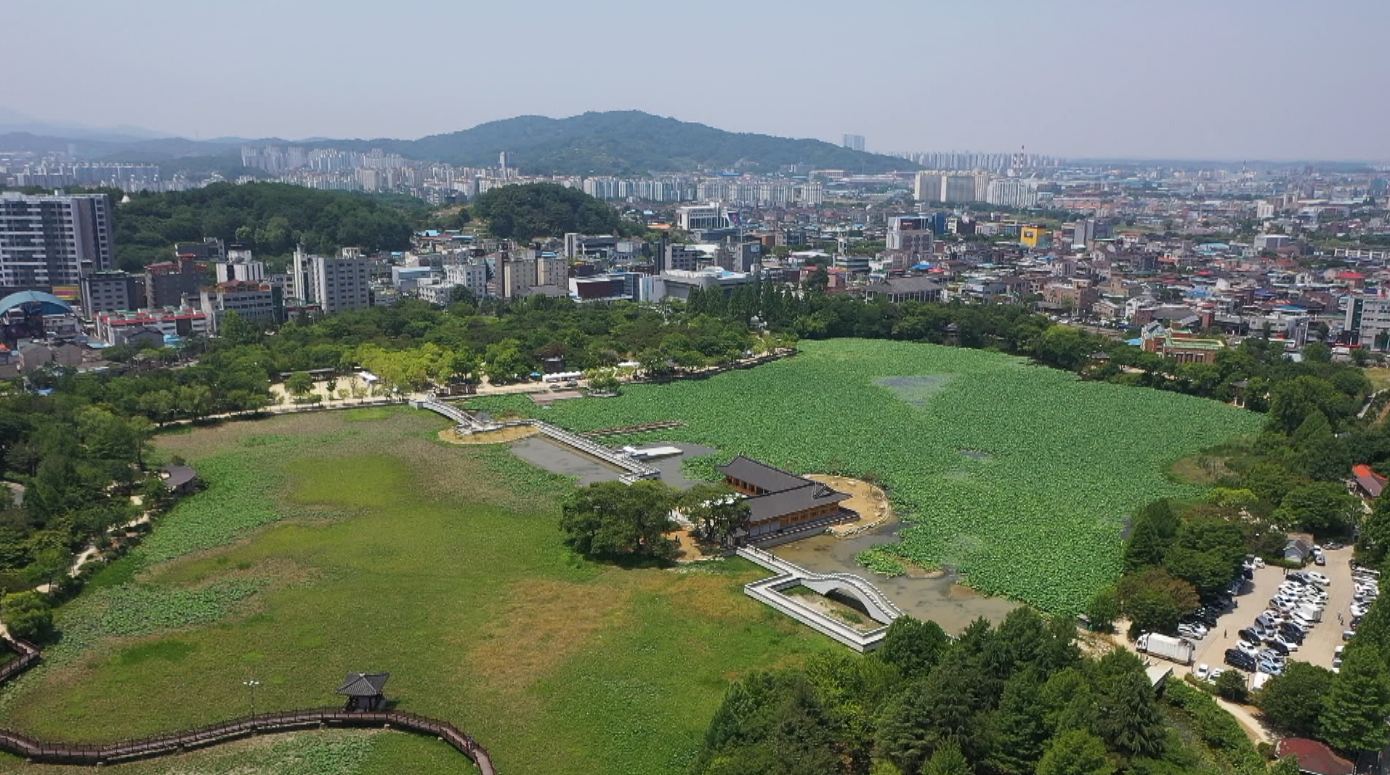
{"type": "Point", "coordinates": [269, 218]}
{"type": "Point", "coordinates": [1016, 699]}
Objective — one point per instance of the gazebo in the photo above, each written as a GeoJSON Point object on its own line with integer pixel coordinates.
{"type": "Point", "coordinates": [364, 691]}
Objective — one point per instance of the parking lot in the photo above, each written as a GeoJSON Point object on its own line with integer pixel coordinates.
{"type": "Point", "coordinates": [1320, 645]}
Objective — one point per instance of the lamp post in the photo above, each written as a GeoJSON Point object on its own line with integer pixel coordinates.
{"type": "Point", "coordinates": [251, 685]}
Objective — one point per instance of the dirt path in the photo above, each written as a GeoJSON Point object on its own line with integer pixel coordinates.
{"type": "Point", "coordinates": [499, 436]}
{"type": "Point", "coordinates": [869, 501]}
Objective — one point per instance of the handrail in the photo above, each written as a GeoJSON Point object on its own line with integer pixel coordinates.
{"type": "Point", "coordinates": [787, 574]}
{"type": "Point", "coordinates": [47, 752]}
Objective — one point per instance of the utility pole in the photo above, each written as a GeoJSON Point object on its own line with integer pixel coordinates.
{"type": "Point", "coordinates": [251, 684]}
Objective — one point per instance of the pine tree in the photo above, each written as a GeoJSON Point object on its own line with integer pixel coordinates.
{"type": "Point", "coordinates": [1128, 718]}
{"type": "Point", "coordinates": [904, 729]}
{"type": "Point", "coordinates": [1153, 530]}
{"type": "Point", "coordinates": [1017, 727]}
{"type": "Point", "coordinates": [947, 760]}
{"type": "Point", "coordinates": [1077, 752]}
{"type": "Point", "coordinates": [913, 646]}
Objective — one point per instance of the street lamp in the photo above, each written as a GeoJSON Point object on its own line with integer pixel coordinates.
{"type": "Point", "coordinates": [251, 684]}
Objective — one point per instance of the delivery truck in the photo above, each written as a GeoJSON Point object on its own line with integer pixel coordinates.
{"type": "Point", "coordinates": [1180, 650]}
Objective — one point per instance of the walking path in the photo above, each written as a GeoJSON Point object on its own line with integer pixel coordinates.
{"type": "Point", "coordinates": [48, 752]}
{"type": "Point", "coordinates": [468, 423]}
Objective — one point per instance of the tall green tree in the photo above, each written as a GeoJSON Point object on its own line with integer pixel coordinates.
{"type": "Point", "coordinates": [28, 615]}
{"type": "Point", "coordinates": [1207, 553]}
{"type": "Point", "coordinates": [947, 760]}
{"type": "Point", "coordinates": [1153, 530]}
{"type": "Point", "coordinates": [717, 511]}
{"type": "Point", "coordinates": [1076, 752]}
{"type": "Point", "coordinates": [1373, 542]}
{"type": "Point", "coordinates": [1325, 509]}
{"type": "Point", "coordinates": [1017, 728]}
{"type": "Point", "coordinates": [610, 519]}
{"type": "Point", "coordinates": [913, 646]}
{"type": "Point", "coordinates": [1355, 708]}
{"type": "Point", "coordinates": [1128, 717]}
{"type": "Point", "coordinates": [1154, 600]}
{"type": "Point", "coordinates": [771, 723]}
{"type": "Point", "coordinates": [1293, 701]}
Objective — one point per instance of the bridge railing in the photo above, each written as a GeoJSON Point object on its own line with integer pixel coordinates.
{"type": "Point", "coordinates": [49, 752]}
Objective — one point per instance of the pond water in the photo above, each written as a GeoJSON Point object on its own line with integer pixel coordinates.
{"type": "Point", "coordinates": [940, 599]}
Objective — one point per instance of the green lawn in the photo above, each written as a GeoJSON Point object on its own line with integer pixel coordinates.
{"type": "Point", "coordinates": [1019, 475]}
{"type": "Point", "coordinates": [328, 543]}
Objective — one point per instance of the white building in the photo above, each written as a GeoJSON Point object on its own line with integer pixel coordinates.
{"type": "Point", "coordinates": [1012, 192]}
{"type": "Point", "coordinates": [472, 276]}
{"type": "Point", "coordinates": [1369, 318]}
{"type": "Point", "coordinates": [254, 302]}
{"type": "Point", "coordinates": [910, 235]}
{"type": "Point", "coordinates": [339, 284]}
{"type": "Point", "coordinates": [710, 216]}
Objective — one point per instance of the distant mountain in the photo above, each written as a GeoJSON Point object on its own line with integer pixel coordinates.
{"type": "Point", "coordinates": [619, 142]}
{"type": "Point", "coordinates": [12, 121]}
{"type": "Point", "coordinates": [610, 143]}
{"type": "Point", "coordinates": [133, 150]}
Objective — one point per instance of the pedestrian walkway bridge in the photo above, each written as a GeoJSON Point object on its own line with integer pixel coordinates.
{"type": "Point", "coordinates": [787, 575]}
{"type": "Point", "coordinates": [632, 468]}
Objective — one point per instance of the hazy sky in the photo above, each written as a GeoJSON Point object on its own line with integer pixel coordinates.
{"type": "Point", "coordinates": [1230, 79]}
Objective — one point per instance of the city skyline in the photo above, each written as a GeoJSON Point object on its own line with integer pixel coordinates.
{"type": "Point", "coordinates": [1245, 80]}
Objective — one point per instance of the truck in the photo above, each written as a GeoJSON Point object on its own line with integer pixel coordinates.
{"type": "Point", "coordinates": [1180, 650]}
{"type": "Point", "coordinates": [1310, 612]}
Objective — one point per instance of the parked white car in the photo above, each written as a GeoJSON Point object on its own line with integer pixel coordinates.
{"type": "Point", "coordinates": [1318, 577]}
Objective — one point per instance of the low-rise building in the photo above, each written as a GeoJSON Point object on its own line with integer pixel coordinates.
{"type": "Point", "coordinates": [103, 291]}
{"type": "Point", "coordinates": [900, 289]}
{"type": "Point", "coordinates": [782, 503]}
{"type": "Point", "coordinates": [114, 327]}
{"type": "Point", "coordinates": [260, 304]}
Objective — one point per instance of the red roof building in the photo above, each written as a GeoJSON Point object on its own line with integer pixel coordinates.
{"type": "Point", "coordinates": [1366, 482]}
{"type": "Point", "coordinates": [1313, 757]}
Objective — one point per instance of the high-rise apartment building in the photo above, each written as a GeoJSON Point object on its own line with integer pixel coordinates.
{"type": "Point", "coordinates": [1012, 192]}
{"type": "Point", "coordinates": [853, 142]}
{"type": "Point", "coordinates": [47, 241]}
{"type": "Point", "coordinates": [926, 187]}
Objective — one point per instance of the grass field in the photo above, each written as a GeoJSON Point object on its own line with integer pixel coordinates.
{"type": "Point", "coordinates": [334, 542]}
{"type": "Point", "coordinates": [1018, 475]}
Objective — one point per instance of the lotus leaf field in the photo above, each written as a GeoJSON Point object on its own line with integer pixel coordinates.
{"type": "Point", "coordinates": [1018, 476]}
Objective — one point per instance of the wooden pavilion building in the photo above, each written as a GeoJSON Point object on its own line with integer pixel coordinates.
{"type": "Point", "coordinates": [364, 691]}
{"type": "Point", "coordinates": [781, 504]}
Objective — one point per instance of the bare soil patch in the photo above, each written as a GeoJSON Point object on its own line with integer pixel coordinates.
{"type": "Point", "coordinates": [499, 436]}
{"type": "Point", "coordinates": [869, 501]}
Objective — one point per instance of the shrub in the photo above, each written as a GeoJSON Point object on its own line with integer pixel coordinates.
{"type": "Point", "coordinates": [1230, 685]}
{"type": "Point", "coordinates": [28, 615]}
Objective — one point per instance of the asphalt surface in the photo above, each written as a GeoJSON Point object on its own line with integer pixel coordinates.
{"type": "Point", "coordinates": [1321, 643]}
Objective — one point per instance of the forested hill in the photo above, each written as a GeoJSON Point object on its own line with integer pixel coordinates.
{"type": "Point", "coordinates": [270, 218]}
{"type": "Point", "coordinates": [626, 142]}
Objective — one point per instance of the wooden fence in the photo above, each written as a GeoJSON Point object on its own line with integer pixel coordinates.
{"type": "Point", "coordinates": [39, 751]}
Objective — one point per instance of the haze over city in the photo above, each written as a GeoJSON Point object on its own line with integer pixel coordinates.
{"type": "Point", "coordinates": [1234, 80]}
{"type": "Point", "coordinates": [776, 388]}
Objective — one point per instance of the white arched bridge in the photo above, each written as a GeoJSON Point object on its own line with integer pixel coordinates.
{"type": "Point", "coordinates": [787, 575]}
